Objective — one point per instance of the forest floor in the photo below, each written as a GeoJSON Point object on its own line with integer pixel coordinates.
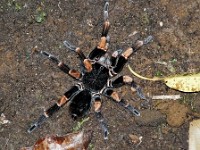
{"type": "Point", "coordinates": [29, 83]}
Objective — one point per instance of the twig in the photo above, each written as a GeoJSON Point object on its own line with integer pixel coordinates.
{"type": "Point", "coordinates": [163, 97]}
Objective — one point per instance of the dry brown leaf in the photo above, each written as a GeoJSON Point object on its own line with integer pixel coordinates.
{"type": "Point", "coordinates": [72, 141]}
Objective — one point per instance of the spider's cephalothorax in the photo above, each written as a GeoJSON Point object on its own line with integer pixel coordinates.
{"type": "Point", "coordinates": [95, 80]}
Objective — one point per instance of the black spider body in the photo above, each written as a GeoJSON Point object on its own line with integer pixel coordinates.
{"type": "Point", "coordinates": [97, 78]}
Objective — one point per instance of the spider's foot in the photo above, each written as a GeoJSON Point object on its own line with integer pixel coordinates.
{"type": "Point", "coordinates": [74, 49]}
{"type": "Point", "coordinates": [69, 45]}
{"type": "Point", "coordinates": [37, 123]}
{"type": "Point", "coordinates": [129, 107]}
{"type": "Point", "coordinates": [138, 90]}
{"type": "Point", "coordinates": [133, 110]}
{"type": "Point", "coordinates": [105, 11]}
{"type": "Point", "coordinates": [103, 124]}
{"type": "Point", "coordinates": [105, 131]}
{"type": "Point", "coordinates": [139, 43]}
{"type": "Point", "coordinates": [147, 40]}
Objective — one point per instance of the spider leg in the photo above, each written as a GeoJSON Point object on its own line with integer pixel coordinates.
{"type": "Point", "coordinates": [102, 47]}
{"type": "Point", "coordinates": [65, 68]}
{"type": "Point", "coordinates": [127, 80]}
{"type": "Point", "coordinates": [97, 108]}
{"type": "Point", "coordinates": [85, 63]}
{"type": "Point", "coordinates": [118, 61]}
{"type": "Point", "coordinates": [114, 96]}
{"type": "Point", "coordinates": [75, 49]}
{"type": "Point", "coordinates": [50, 111]}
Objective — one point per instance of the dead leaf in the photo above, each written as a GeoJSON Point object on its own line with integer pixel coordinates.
{"type": "Point", "coordinates": [184, 83]}
{"type": "Point", "coordinates": [71, 141]}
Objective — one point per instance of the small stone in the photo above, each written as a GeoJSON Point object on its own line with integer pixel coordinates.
{"type": "Point", "coordinates": [3, 119]}
{"type": "Point", "coordinates": [161, 23]}
{"type": "Point", "coordinates": [135, 139]}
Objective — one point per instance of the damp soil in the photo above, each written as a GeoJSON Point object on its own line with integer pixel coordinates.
{"type": "Point", "coordinates": [29, 83]}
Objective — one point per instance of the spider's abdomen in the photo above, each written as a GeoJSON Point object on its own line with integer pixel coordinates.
{"type": "Point", "coordinates": [97, 78]}
{"type": "Point", "coordinates": [80, 104]}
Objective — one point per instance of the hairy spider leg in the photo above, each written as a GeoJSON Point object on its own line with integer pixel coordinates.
{"type": "Point", "coordinates": [119, 60]}
{"type": "Point", "coordinates": [127, 80]}
{"type": "Point", "coordinates": [97, 108]}
{"type": "Point", "coordinates": [86, 64]}
{"type": "Point", "coordinates": [75, 49]}
{"type": "Point", "coordinates": [65, 68]}
{"type": "Point", "coordinates": [50, 111]}
{"type": "Point", "coordinates": [114, 96]}
{"type": "Point", "coordinates": [102, 47]}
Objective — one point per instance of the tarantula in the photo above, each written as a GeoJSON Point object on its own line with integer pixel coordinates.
{"type": "Point", "coordinates": [95, 80]}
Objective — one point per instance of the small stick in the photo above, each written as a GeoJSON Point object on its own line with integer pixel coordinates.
{"type": "Point", "coordinates": [163, 97]}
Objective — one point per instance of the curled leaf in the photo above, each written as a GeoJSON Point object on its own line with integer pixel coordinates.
{"type": "Point", "coordinates": [184, 83]}
{"type": "Point", "coordinates": [71, 141]}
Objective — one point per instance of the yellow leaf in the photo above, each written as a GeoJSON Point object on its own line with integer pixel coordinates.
{"type": "Point", "coordinates": [184, 83]}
